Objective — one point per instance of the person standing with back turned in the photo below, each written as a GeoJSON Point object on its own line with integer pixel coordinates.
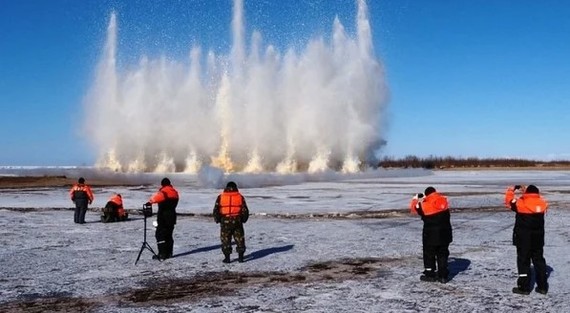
{"type": "Point", "coordinates": [231, 212]}
{"type": "Point", "coordinates": [436, 233]}
{"type": "Point", "coordinates": [167, 199]}
{"type": "Point", "coordinates": [528, 236]}
{"type": "Point", "coordinates": [82, 196]}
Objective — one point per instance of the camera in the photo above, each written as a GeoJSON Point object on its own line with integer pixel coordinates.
{"type": "Point", "coordinates": [147, 210]}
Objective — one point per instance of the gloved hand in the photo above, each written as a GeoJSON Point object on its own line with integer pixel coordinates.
{"type": "Point", "coordinates": [418, 196]}
{"type": "Point", "coordinates": [148, 204]}
{"type": "Point", "coordinates": [517, 187]}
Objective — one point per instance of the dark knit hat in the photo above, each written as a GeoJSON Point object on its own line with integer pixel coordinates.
{"type": "Point", "coordinates": [165, 182]}
{"type": "Point", "coordinates": [429, 190]}
{"type": "Point", "coordinates": [81, 180]}
{"type": "Point", "coordinates": [231, 186]}
{"type": "Point", "coordinates": [531, 189]}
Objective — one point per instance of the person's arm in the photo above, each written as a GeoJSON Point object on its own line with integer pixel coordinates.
{"type": "Point", "coordinates": [216, 211]}
{"type": "Point", "coordinates": [244, 215]}
{"type": "Point", "coordinates": [72, 193]}
{"type": "Point", "coordinates": [89, 194]}
{"type": "Point", "coordinates": [510, 200]}
{"type": "Point", "coordinates": [157, 197]}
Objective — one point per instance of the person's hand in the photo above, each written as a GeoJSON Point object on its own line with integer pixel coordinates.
{"type": "Point", "coordinates": [418, 196]}
{"type": "Point", "coordinates": [148, 204]}
{"type": "Point", "coordinates": [517, 187]}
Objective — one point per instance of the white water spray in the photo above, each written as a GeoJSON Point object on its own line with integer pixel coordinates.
{"type": "Point", "coordinates": [255, 110]}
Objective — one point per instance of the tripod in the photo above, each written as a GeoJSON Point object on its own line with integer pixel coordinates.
{"type": "Point", "coordinates": [147, 210]}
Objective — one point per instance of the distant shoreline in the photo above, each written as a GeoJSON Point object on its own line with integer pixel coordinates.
{"type": "Point", "coordinates": [15, 182]}
{"type": "Point", "coordinates": [45, 181]}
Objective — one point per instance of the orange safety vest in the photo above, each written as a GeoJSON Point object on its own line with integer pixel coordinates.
{"type": "Point", "coordinates": [164, 193]}
{"type": "Point", "coordinates": [434, 203]}
{"type": "Point", "coordinates": [230, 203]}
{"type": "Point", "coordinates": [119, 202]}
{"type": "Point", "coordinates": [531, 203]}
{"type": "Point", "coordinates": [84, 188]}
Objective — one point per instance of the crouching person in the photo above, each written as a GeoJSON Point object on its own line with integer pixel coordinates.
{"type": "Point", "coordinates": [436, 234]}
{"type": "Point", "coordinates": [114, 210]}
{"type": "Point", "coordinates": [231, 212]}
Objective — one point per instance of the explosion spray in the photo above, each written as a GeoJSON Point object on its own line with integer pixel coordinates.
{"type": "Point", "coordinates": [254, 110]}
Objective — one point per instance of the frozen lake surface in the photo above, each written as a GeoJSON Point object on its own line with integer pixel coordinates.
{"type": "Point", "coordinates": [311, 247]}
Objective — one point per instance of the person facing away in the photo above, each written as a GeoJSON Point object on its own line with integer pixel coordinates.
{"type": "Point", "coordinates": [528, 236]}
{"type": "Point", "coordinates": [82, 196]}
{"type": "Point", "coordinates": [167, 199]}
{"type": "Point", "coordinates": [115, 209]}
{"type": "Point", "coordinates": [231, 212]}
{"type": "Point", "coordinates": [436, 235]}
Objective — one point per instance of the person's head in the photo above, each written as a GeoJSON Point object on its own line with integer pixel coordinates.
{"type": "Point", "coordinates": [531, 189]}
{"type": "Point", "coordinates": [119, 195]}
{"type": "Point", "coordinates": [429, 190]}
{"type": "Point", "coordinates": [165, 182]}
{"type": "Point", "coordinates": [81, 180]}
{"type": "Point", "coordinates": [231, 186]}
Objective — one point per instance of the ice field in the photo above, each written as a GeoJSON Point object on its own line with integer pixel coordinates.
{"type": "Point", "coordinates": [328, 243]}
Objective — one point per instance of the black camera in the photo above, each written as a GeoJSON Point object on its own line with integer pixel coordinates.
{"type": "Point", "coordinates": [147, 210]}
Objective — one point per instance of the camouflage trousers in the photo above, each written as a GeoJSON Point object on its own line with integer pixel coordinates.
{"type": "Point", "coordinates": [232, 227]}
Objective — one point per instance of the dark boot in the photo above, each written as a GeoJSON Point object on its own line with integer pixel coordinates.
{"type": "Point", "coordinates": [162, 250]}
{"type": "Point", "coordinates": [240, 258]}
{"type": "Point", "coordinates": [428, 276]}
{"type": "Point", "coordinates": [226, 258]}
{"type": "Point", "coordinates": [542, 289]}
{"type": "Point", "coordinates": [521, 291]}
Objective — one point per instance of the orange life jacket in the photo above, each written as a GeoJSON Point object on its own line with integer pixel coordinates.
{"type": "Point", "coordinates": [434, 203]}
{"type": "Point", "coordinates": [531, 203]}
{"type": "Point", "coordinates": [118, 200]}
{"type": "Point", "coordinates": [528, 203]}
{"type": "Point", "coordinates": [164, 193]}
{"type": "Point", "coordinates": [81, 188]}
{"type": "Point", "coordinates": [230, 203]}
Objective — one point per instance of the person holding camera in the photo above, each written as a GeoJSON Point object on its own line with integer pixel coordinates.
{"type": "Point", "coordinates": [528, 236]}
{"type": "Point", "coordinates": [82, 196]}
{"type": "Point", "coordinates": [436, 234]}
{"type": "Point", "coordinates": [231, 212]}
{"type": "Point", "coordinates": [167, 199]}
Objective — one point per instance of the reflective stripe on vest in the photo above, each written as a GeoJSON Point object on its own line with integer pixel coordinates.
{"type": "Point", "coordinates": [230, 203]}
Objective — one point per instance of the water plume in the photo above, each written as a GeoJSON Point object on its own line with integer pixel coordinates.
{"type": "Point", "coordinates": [254, 110]}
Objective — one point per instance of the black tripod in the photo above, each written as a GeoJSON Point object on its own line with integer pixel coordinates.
{"type": "Point", "coordinates": [147, 211]}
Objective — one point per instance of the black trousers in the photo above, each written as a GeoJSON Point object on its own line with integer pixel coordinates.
{"type": "Point", "coordinates": [164, 240]}
{"type": "Point", "coordinates": [80, 210]}
{"type": "Point", "coordinates": [524, 256]}
{"type": "Point", "coordinates": [436, 254]}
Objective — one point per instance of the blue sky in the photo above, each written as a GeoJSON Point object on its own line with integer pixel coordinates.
{"type": "Point", "coordinates": [466, 78]}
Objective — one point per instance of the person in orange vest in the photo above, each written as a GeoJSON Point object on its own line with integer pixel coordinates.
{"type": "Point", "coordinates": [528, 236]}
{"type": "Point", "coordinates": [436, 235]}
{"type": "Point", "coordinates": [231, 212]}
{"type": "Point", "coordinates": [82, 196]}
{"type": "Point", "coordinates": [114, 210]}
{"type": "Point", "coordinates": [167, 199]}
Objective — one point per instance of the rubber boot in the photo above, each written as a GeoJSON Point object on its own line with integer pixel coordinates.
{"type": "Point", "coordinates": [240, 258]}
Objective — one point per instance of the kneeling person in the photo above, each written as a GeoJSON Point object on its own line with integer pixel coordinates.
{"type": "Point", "coordinates": [114, 210]}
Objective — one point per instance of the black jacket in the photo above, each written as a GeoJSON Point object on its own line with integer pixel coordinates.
{"type": "Point", "coordinates": [437, 229]}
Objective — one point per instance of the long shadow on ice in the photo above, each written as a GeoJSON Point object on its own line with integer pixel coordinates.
{"type": "Point", "coordinates": [456, 266]}
{"type": "Point", "coordinates": [198, 250]}
{"type": "Point", "coordinates": [265, 252]}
